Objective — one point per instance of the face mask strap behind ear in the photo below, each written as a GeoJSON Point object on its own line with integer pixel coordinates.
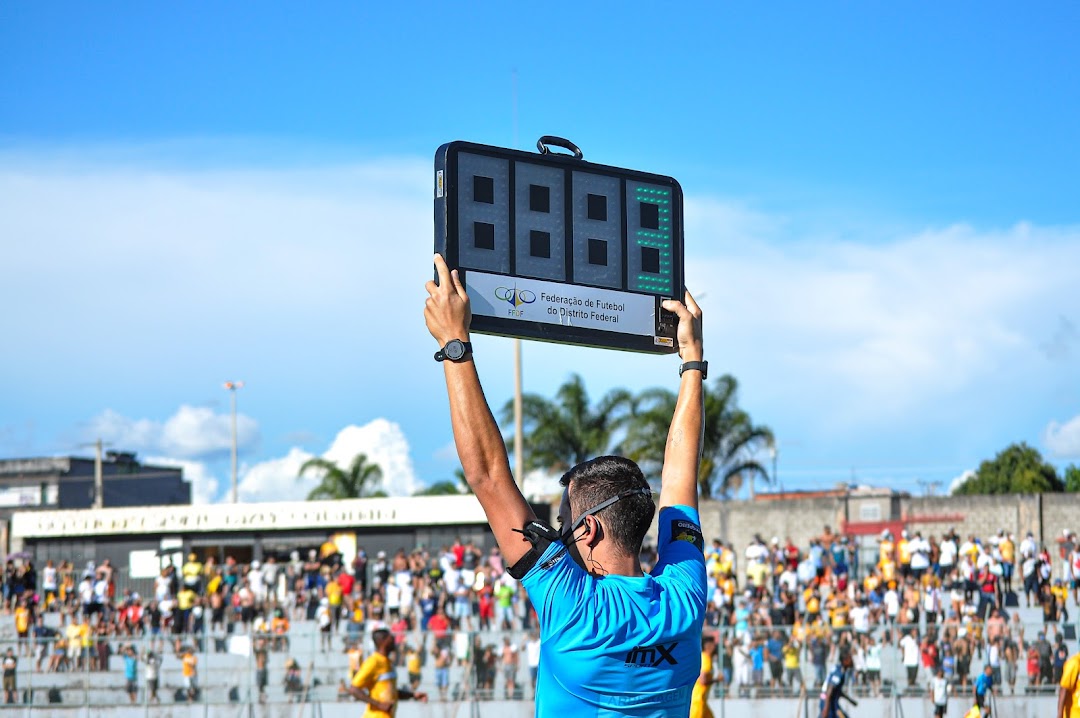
{"type": "Point", "coordinates": [646, 491]}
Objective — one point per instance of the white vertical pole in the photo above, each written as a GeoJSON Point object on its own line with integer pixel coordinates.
{"type": "Point", "coordinates": [234, 452]}
{"type": "Point", "coordinates": [99, 482]}
{"type": "Point", "coordinates": [519, 441]}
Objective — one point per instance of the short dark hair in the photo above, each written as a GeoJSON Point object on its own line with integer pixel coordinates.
{"type": "Point", "coordinates": [379, 635]}
{"type": "Point", "coordinates": [597, 480]}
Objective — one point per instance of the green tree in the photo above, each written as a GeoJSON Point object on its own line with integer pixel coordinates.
{"type": "Point", "coordinates": [462, 483]}
{"type": "Point", "coordinates": [731, 439]}
{"type": "Point", "coordinates": [439, 488]}
{"type": "Point", "coordinates": [1072, 477]}
{"type": "Point", "coordinates": [447, 487]}
{"type": "Point", "coordinates": [1017, 469]}
{"type": "Point", "coordinates": [564, 432]}
{"type": "Point", "coordinates": [356, 482]}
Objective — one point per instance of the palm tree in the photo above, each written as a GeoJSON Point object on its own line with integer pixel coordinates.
{"type": "Point", "coordinates": [564, 432]}
{"type": "Point", "coordinates": [336, 483]}
{"type": "Point", "coordinates": [439, 488]}
{"type": "Point", "coordinates": [447, 487]}
{"type": "Point", "coordinates": [731, 439]}
{"type": "Point", "coordinates": [460, 482]}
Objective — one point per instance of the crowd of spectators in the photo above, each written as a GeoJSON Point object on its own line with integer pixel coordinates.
{"type": "Point", "coordinates": [782, 613]}
{"type": "Point", "coordinates": [948, 604]}
{"type": "Point", "coordinates": [428, 600]}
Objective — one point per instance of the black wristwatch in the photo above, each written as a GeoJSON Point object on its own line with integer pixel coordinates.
{"type": "Point", "coordinates": [455, 350]}
{"type": "Point", "coordinates": [702, 366]}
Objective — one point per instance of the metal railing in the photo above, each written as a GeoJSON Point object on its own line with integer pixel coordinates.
{"type": "Point", "coordinates": [228, 665]}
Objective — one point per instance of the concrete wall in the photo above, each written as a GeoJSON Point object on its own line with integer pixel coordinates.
{"type": "Point", "coordinates": [1046, 516]}
{"type": "Point", "coordinates": [1060, 512]}
{"type": "Point", "coordinates": [740, 520]}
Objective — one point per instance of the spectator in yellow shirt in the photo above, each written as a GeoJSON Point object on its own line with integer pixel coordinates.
{"type": "Point", "coordinates": [73, 633]}
{"type": "Point", "coordinates": [1008, 560]}
{"type": "Point", "coordinates": [334, 597]}
{"type": "Point", "coordinates": [792, 673]}
{"type": "Point", "coordinates": [903, 554]}
{"type": "Point", "coordinates": [192, 572]}
{"type": "Point", "coordinates": [22, 627]}
{"type": "Point", "coordinates": [758, 572]}
{"type": "Point", "coordinates": [355, 654]}
{"type": "Point", "coordinates": [1060, 592]}
{"type": "Point", "coordinates": [279, 626]}
{"type": "Point", "coordinates": [214, 584]}
{"type": "Point", "coordinates": [885, 549]}
{"type": "Point", "coordinates": [190, 673]}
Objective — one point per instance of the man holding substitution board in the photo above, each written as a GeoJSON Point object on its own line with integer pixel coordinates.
{"type": "Point", "coordinates": [614, 641]}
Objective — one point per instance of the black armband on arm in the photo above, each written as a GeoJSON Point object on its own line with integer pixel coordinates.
{"type": "Point", "coordinates": [540, 535]}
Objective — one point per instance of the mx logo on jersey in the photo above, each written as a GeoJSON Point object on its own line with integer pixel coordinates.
{"type": "Point", "coordinates": [652, 656]}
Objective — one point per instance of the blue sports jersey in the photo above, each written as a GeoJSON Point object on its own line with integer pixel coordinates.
{"type": "Point", "coordinates": [621, 645]}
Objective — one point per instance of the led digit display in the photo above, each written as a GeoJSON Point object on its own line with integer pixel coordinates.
{"type": "Point", "coordinates": [555, 248]}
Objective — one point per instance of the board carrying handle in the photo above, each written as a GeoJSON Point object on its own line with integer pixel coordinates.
{"type": "Point", "coordinates": [543, 142]}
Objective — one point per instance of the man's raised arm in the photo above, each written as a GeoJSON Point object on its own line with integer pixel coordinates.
{"type": "Point", "coordinates": [682, 456]}
{"type": "Point", "coordinates": [479, 443]}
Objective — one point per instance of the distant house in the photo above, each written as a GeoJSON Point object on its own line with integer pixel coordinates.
{"type": "Point", "coordinates": [67, 482]}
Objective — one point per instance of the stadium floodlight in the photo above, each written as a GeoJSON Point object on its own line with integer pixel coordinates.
{"type": "Point", "coordinates": [232, 386]}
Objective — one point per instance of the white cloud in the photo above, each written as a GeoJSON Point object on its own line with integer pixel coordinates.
{"type": "Point", "coordinates": [447, 452]}
{"type": "Point", "coordinates": [955, 483]}
{"type": "Point", "coordinates": [205, 254]}
{"type": "Point", "coordinates": [382, 441]}
{"type": "Point", "coordinates": [204, 485]}
{"type": "Point", "coordinates": [880, 329]}
{"type": "Point", "coordinates": [191, 433]}
{"type": "Point", "coordinates": [301, 271]}
{"type": "Point", "coordinates": [197, 431]}
{"type": "Point", "coordinates": [541, 485]}
{"type": "Point", "coordinates": [276, 479]}
{"type": "Point", "coordinates": [385, 444]}
{"type": "Point", "coordinates": [1063, 440]}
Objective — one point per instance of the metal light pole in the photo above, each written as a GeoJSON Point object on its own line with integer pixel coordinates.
{"type": "Point", "coordinates": [99, 479]}
{"type": "Point", "coordinates": [232, 386]}
{"type": "Point", "coordinates": [519, 440]}
{"type": "Point", "coordinates": [98, 500]}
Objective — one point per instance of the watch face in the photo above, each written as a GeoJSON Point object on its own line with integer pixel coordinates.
{"type": "Point", "coordinates": [455, 349]}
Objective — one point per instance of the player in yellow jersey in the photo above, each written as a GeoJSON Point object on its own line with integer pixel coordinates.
{"type": "Point", "coordinates": [376, 681]}
{"type": "Point", "coordinates": [699, 704]}
{"type": "Point", "coordinates": [1068, 690]}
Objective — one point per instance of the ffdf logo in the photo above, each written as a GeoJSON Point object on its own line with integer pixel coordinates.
{"type": "Point", "coordinates": [515, 298]}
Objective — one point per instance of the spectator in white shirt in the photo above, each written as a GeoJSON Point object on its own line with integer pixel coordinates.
{"type": "Point", "coordinates": [909, 647]}
{"type": "Point", "coordinates": [947, 557]}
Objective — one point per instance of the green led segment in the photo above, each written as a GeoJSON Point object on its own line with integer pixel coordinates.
{"type": "Point", "coordinates": [658, 238]}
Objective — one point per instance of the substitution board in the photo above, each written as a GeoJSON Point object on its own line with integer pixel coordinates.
{"type": "Point", "coordinates": [555, 248]}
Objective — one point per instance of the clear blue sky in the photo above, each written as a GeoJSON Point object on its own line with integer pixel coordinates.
{"type": "Point", "coordinates": [882, 213]}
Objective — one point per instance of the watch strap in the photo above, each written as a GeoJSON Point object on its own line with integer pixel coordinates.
{"type": "Point", "coordinates": [441, 354]}
{"type": "Point", "coordinates": [702, 366]}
